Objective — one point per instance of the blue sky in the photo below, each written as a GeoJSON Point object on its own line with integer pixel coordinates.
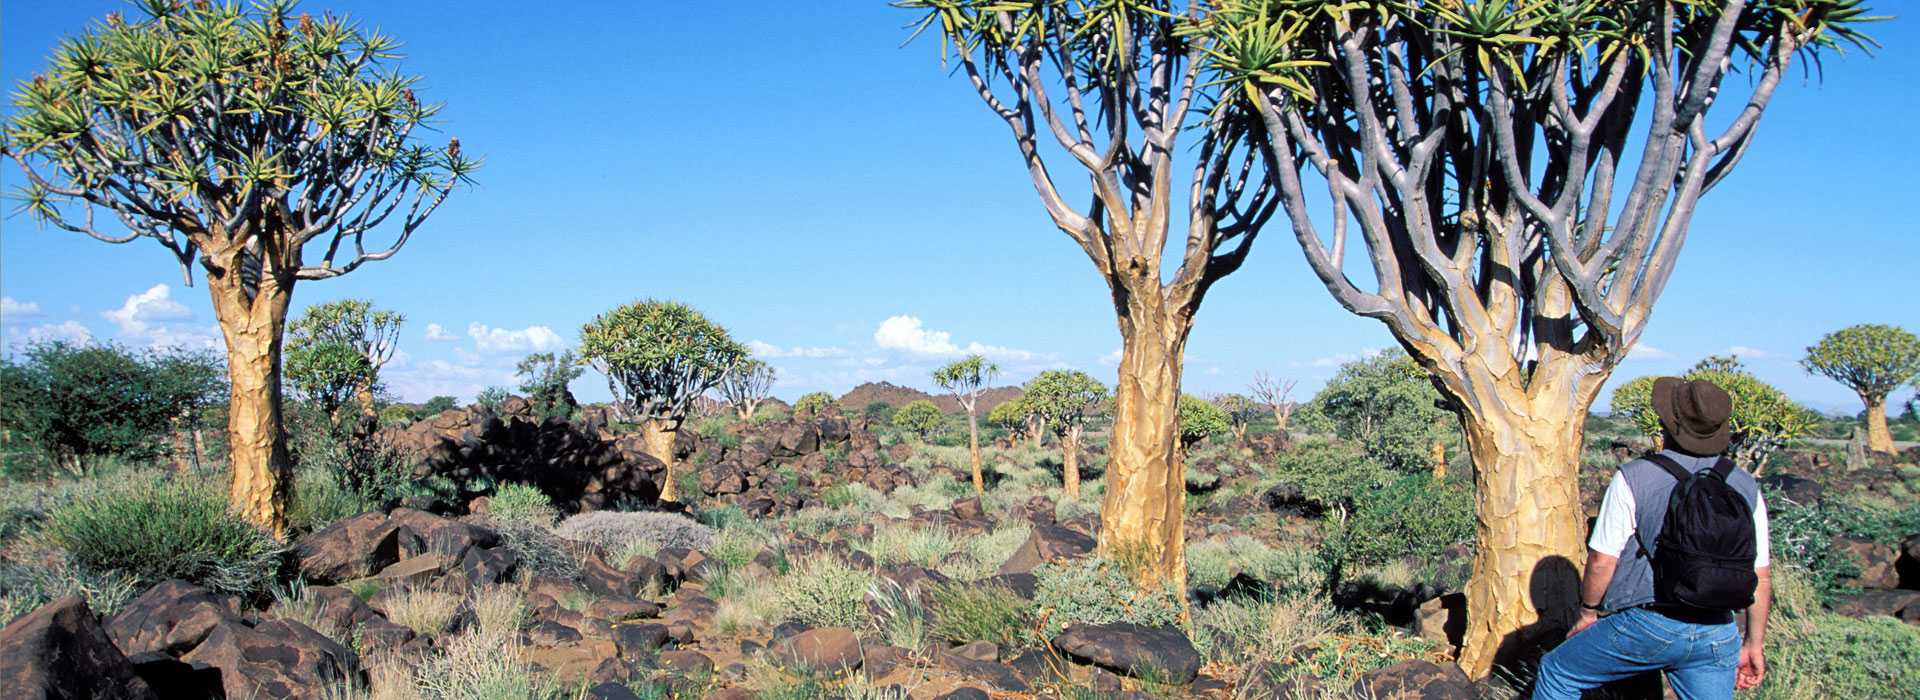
{"type": "Point", "coordinates": [838, 200]}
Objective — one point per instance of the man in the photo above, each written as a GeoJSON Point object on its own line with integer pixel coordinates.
{"type": "Point", "coordinates": [1625, 628]}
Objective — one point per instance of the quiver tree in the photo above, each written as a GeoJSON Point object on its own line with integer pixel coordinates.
{"type": "Point", "coordinates": [1872, 360]}
{"type": "Point", "coordinates": [966, 379]}
{"type": "Point", "coordinates": [659, 357]}
{"type": "Point", "coordinates": [814, 404]}
{"type": "Point", "coordinates": [1764, 419]}
{"type": "Point", "coordinates": [1240, 412]}
{"type": "Point", "coordinates": [747, 386]}
{"type": "Point", "coordinates": [1014, 416]}
{"type": "Point", "coordinates": [1067, 400]}
{"type": "Point", "coordinates": [920, 418]}
{"type": "Point", "coordinates": [1111, 89]}
{"type": "Point", "coordinates": [353, 323]}
{"type": "Point", "coordinates": [1521, 176]}
{"type": "Point", "coordinates": [237, 138]}
{"type": "Point", "coordinates": [326, 374]}
{"type": "Point", "coordinates": [1275, 393]}
{"type": "Point", "coordinates": [544, 378]}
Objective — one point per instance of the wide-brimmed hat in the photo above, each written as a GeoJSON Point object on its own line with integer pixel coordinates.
{"type": "Point", "coordinates": [1693, 413]}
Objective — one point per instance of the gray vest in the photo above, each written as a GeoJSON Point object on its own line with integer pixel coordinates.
{"type": "Point", "coordinates": [1632, 584]}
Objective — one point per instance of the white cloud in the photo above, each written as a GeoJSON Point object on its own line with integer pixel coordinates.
{"type": "Point", "coordinates": [437, 333]}
{"type": "Point", "coordinates": [1111, 359]}
{"type": "Point", "coordinates": [501, 340]}
{"type": "Point", "coordinates": [424, 380]}
{"type": "Point", "coordinates": [770, 351]}
{"type": "Point", "coordinates": [1746, 352]}
{"type": "Point", "coordinates": [13, 309]}
{"type": "Point", "coordinates": [145, 311]}
{"type": "Point", "coordinates": [69, 331]}
{"type": "Point", "coordinates": [906, 333]}
{"type": "Point", "coordinates": [155, 318]}
{"type": "Point", "coordinates": [1643, 351]}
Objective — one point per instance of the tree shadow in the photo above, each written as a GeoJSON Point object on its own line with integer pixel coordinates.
{"type": "Point", "coordinates": [1554, 590]}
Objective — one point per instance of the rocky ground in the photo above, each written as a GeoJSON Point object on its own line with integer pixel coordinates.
{"type": "Point", "coordinates": [587, 601]}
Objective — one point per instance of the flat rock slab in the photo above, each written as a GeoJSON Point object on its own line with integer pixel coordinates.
{"type": "Point", "coordinates": [1155, 653]}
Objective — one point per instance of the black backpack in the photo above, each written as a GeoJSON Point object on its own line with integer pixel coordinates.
{"type": "Point", "coordinates": [1703, 559]}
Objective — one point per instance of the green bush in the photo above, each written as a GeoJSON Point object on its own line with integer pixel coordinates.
{"type": "Point", "coordinates": [1095, 592]}
{"type": "Point", "coordinates": [319, 498]}
{"type": "Point", "coordinates": [814, 404]}
{"type": "Point", "coordinates": [964, 612]}
{"type": "Point", "coordinates": [919, 417]}
{"type": "Point", "coordinates": [1764, 418]}
{"type": "Point", "coordinates": [521, 503]}
{"type": "Point", "coordinates": [824, 591]}
{"type": "Point", "coordinates": [77, 404]}
{"type": "Point", "coordinates": [174, 529]}
{"type": "Point", "coordinates": [1386, 403]}
{"type": "Point", "coordinates": [1330, 472]}
{"type": "Point", "coordinates": [1803, 534]}
{"type": "Point", "coordinates": [1411, 517]}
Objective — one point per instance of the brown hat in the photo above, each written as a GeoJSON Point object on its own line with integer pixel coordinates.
{"type": "Point", "coordinates": [1693, 414]}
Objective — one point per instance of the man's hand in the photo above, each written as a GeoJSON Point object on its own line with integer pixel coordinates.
{"type": "Point", "coordinates": [1753, 667]}
{"type": "Point", "coordinates": [1587, 618]}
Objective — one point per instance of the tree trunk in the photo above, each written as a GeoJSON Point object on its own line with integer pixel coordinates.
{"type": "Point", "coordinates": [1437, 460]}
{"type": "Point", "coordinates": [1879, 438]}
{"type": "Point", "coordinates": [1039, 434]}
{"type": "Point", "coordinates": [365, 395]}
{"type": "Point", "coordinates": [973, 453]}
{"type": "Point", "coordinates": [262, 485]}
{"type": "Point", "coordinates": [1070, 463]}
{"type": "Point", "coordinates": [657, 436]}
{"type": "Point", "coordinates": [1529, 535]}
{"type": "Point", "coordinates": [1280, 416]}
{"type": "Point", "coordinates": [1141, 518]}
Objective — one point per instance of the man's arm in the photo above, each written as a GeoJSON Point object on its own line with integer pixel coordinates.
{"type": "Point", "coordinates": [1753, 660]}
{"type": "Point", "coordinates": [1593, 588]}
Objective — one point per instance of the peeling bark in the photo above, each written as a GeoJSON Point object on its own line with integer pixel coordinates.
{"type": "Point", "coordinates": [1142, 517]}
{"type": "Point", "coordinates": [1879, 437]}
{"type": "Point", "coordinates": [252, 325]}
{"type": "Point", "coordinates": [657, 437]}
{"type": "Point", "coordinates": [1070, 463]}
{"type": "Point", "coordinates": [973, 452]}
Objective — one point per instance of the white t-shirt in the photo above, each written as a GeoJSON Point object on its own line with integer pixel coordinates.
{"type": "Point", "coordinates": [1618, 517]}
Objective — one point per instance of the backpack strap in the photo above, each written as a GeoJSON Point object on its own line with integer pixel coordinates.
{"type": "Point", "coordinates": [1672, 467]}
{"type": "Point", "coordinates": [1724, 468]}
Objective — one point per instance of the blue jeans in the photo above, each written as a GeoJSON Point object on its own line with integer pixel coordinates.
{"type": "Point", "coordinates": [1699, 660]}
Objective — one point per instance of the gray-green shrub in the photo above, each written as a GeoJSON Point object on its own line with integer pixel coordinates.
{"type": "Point", "coordinates": [170, 529]}
{"type": "Point", "coordinates": [1093, 591]}
{"type": "Point", "coordinates": [824, 591]}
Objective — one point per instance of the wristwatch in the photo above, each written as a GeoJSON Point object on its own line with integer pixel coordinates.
{"type": "Point", "coordinates": [1595, 608]}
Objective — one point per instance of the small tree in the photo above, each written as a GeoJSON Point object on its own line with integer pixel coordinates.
{"type": "Point", "coordinates": [919, 417]}
{"type": "Point", "coordinates": [1240, 412]}
{"type": "Point", "coordinates": [193, 382]}
{"type": "Point", "coordinates": [1764, 419]}
{"type": "Point", "coordinates": [659, 357]}
{"type": "Point", "coordinates": [544, 379]}
{"type": "Point", "coordinates": [1199, 420]}
{"type": "Point", "coordinates": [356, 324]}
{"type": "Point", "coordinates": [1872, 360]}
{"type": "Point", "coordinates": [436, 405]}
{"type": "Point", "coordinates": [326, 374]}
{"type": "Point", "coordinates": [1067, 400]}
{"type": "Point", "coordinates": [747, 386]}
{"type": "Point", "coordinates": [235, 136]}
{"type": "Point", "coordinates": [1275, 394]}
{"type": "Point", "coordinates": [79, 403]}
{"type": "Point", "coordinates": [966, 379]}
{"type": "Point", "coordinates": [814, 404]}
{"type": "Point", "coordinates": [1015, 417]}
{"type": "Point", "coordinates": [1388, 405]}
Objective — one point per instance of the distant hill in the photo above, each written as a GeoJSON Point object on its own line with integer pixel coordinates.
{"type": "Point", "coordinates": [896, 396]}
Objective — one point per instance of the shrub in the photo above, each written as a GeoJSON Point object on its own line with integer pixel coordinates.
{"type": "Point", "coordinates": [539, 549]}
{"type": "Point", "coordinates": [1240, 632]}
{"type": "Point", "coordinates": [919, 417]}
{"type": "Point", "coordinates": [1764, 418]}
{"type": "Point", "coordinates": [483, 667]}
{"type": "Point", "coordinates": [1331, 473]}
{"type": "Point", "coordinates": [617, 531]}
{"type": "Point", "coordinates": [971, 613]}
{"type": "Point", "coordinates": [1386, 403]}
{"type": "Point", "coordinates": [174, 529]}
{"type": "Point", "coordinates": [319, 499]}
{"type": "Point", "coordinates": [24, 588]}
{"type": "Point", "coordinates": [906, 544]}
{"type": "Point", "coordinates": [427, 612]}
{"type": "Point", "coordinates": [79, 403]}
{"type": "Point", "coordinates": [521, 503]}
{"type": "Point", "coordinates": [1412, 517]}
{"type": "Point", "coordinates": [1095, 592]}
{"type": "Point", "coordinates": [824, 591]}
{"type": "Point", "coordinates": [1803, 534]}
{"type": "Point", "coordinates": [900, 615]}
{"type": "Point", "coordinates": [814, 404]}
{"type": "Point", "coordinates": [1199, 420]}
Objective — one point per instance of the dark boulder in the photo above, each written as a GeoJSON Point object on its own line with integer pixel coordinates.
{"type": "Point", "coordinates": [171, 617]}
{"type": "Point", "coordinates": [825, 649]}
{"type": "Point", "coordinates": [1799, 490]}
{"type": "Point", "coordinates": [60, 652]}
{"type": "Point", "coordinates": [1416, 680]}
{"type": "Point", "coordinates": [1901, 604]}
{"type": "Point", "coordinates": [1047, 543]}
{"type": "Point", "coordinates": [1133, 650]}
{"type": "Point", "coordinates": [276, 659]}
{"type": "Point", "coordinates": [1290, 500]}
{"type": "Point", "coordinates": [351, 548]}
